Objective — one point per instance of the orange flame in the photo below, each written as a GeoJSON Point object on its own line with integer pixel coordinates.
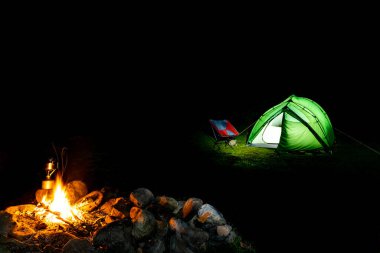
{"type": "Point", "coordinates": [59, 204]}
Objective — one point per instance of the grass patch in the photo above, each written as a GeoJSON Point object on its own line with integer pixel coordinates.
{"type": "Point", "coordinates": [348, 157]}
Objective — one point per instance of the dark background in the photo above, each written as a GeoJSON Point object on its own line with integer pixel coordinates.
{"type": "Point", "coordinates": [127, 102]}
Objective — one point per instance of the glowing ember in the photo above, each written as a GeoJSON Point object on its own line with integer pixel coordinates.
{"type": "Point", "coordinates": [59, 205]}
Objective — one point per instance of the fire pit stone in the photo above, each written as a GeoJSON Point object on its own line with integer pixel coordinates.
{"type": "Point", "coordinates": [140, 223]}
{"type": "Point", "coordinates": [141, 197]}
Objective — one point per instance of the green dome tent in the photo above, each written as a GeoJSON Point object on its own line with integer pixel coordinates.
{"type": "Point", "coordinates": [296, 124]}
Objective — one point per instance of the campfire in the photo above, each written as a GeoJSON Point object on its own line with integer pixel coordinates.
{"type": "Point", "coordinates": [58, 209]}
{"type": "Point", "coordinates": [66, 218]}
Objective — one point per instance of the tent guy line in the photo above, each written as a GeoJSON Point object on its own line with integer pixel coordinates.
{"type": "Point", "coordinates": [354, 139]}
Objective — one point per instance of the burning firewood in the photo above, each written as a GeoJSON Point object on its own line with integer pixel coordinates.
{"type": "Point", "coordinates": [118, 208]}
{"type": "Point", "coordinates": [89, 202]}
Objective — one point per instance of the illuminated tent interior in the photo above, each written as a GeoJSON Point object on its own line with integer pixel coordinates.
{"type": "Point", "coordinates": [295, 124]}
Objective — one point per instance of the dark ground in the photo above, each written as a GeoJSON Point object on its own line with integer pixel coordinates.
{"type": "Point", "coordinates": [302, 209]}
{"type": "Point", "coordinates": [128, 122]}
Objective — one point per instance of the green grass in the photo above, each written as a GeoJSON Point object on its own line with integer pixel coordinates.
{"type": "Point", "coordinates": [348, 157]}
{"type": "Point", "coordinates": [237, 156]}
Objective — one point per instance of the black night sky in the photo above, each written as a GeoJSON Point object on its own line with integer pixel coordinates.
{"type": "Point", "coordinates": [137, 98]}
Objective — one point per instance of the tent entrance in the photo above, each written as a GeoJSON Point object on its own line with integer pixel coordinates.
{"type": "Point", "coordinates": [270, 134]}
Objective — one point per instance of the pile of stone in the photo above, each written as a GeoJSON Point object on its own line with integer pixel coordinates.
{"type": "Point", "coordinates": [136, 223]}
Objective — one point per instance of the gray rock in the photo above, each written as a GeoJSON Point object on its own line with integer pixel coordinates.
{"type": "Point", "coordinates": [178, 245]}
{"type": "Point", "coordinates": [144, 223]}
{"type": "Point", "coordinates": [167, 202]}
{"type": "Point", "coordinates": [154, 246]}
{"type": "Point", "coordinates": [220, 234]}
{"type": "Point", "coordinates": [10, 245]}
{"type": "Point", "coordinates": [6, 223]}
{"type": "Point", "coordinates": [22, 225]}
{"type": "Point", "coordinates": [141, 197]}
{"type": "Point", "coordinates": [77, 246]}
{"type": "Point", "coordinates": [115, 237]}
{"type": "Point", "coordinates": [191, 206]}
{"type": "Point", "coordinates": [178, 225]}
{"type": "Point", "coordinates": [162, 229]}
{"type": "Point", "coordinates": [51, 249]}
{"type": "Point", "coordinates": [180, 206]}
{"type": "Point", "coordinates": [208, 214]}
{"type": "Point", "coordinates": [55, 239]}
{"type": "Point", "coordinates": [195, 238]}
{"type": "Point", "coordinates": [231, 237]}
{"type": "Point", "coordinates": [75, 190]}
{"type": "Point", "coordinates": [223, 230]}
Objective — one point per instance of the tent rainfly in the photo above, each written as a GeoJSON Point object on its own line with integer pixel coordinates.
{"type": "Point", "coordinates": [297, 123]}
